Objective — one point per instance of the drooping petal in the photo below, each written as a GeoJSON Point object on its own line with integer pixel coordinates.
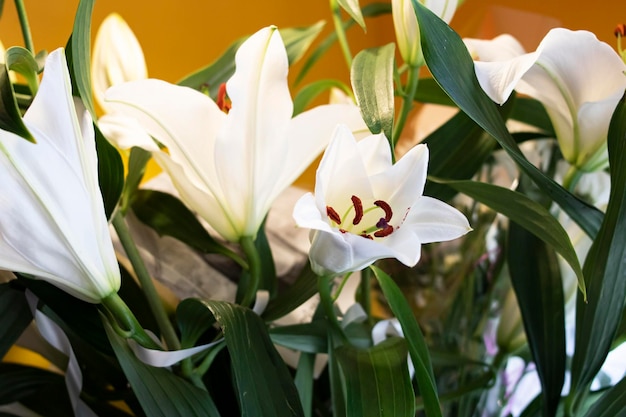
{"type": "Point", "coordinates": [435, 221]}
{"type": "Point", "coordinates": [53, 224]}
{"type": "Point", "coordinates": [117, 57]}
{"type": "Point", "coordinates": [125, 132]}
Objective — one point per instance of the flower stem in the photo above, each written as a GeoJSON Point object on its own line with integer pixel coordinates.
{"type": "Point", "coordinates": [407, 103]}
{"type": "Point", "coordinates": [154, 301]}
{"type": "Point", "coordinates": [341, 33]}
{"type": "Point", "coordinates": [571, 178]}
{"type": "Point", "coordinates": [28, 39]}
{"type": "Point", "coordinates": [128, 322]}
{"type": "Point", "coordinates": [327, 302]}
{"type": "Point", "coordinates": [254, 269]}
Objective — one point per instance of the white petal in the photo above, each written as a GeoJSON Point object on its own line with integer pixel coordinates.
{"type": "Point", "coordinates": [125, 132]}
{"type": "Point", "coordinates": [499, 78]}
{"type": "Point", "coordinates": [435, 221]}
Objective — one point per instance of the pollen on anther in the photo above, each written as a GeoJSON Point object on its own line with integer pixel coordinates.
{"type": "Point", "coordinates": [358, 210]}
{"type": "Point", "coordinates": [386, 208]}
{"type": "Point", "coordinates": [384, 232]}
{"type": "Point", "coordinates": [333, 215]}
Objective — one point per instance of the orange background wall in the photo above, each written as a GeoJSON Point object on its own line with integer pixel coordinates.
{"type": "Point", "coordinates": [181, 35]}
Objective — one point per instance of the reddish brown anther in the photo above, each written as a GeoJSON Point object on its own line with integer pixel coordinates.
{"type": "Point", "coordinates": [333, 215]}
{"type": "Point", "coordinates": [384, 232]}
{"type": "Point", "coordinates": [620, 30]}
{"type": "Point", "coordinates": [222, 101]}
{"type": "Point", "coordinates": [366, 236]}
{"type": "Point", "coordinates": [386, 208]}
{"type": "Point", "coordinates": [358, 210]}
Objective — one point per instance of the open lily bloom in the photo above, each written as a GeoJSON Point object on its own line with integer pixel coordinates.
{"type": "Point", "coordinates": [117, 57]}
{"type": "Point", "coordinates": [365, 208]}
{"type": "Point", "coordinates": [577, 78]}
{"type": "Point", "coordinates": [406, 27]}
{"type": "Point", "coordinates": [52, 219]}
{"type": "Point", "coordinates": [229, 167]}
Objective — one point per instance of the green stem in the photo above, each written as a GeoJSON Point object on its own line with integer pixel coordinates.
{"type": "Point", "coordinates": [254, 269]}
{"type": "Point", "coordinates": [154, 300]}
{"type": "Point", "coordinates": [571, 178]}
{"type": "Point", "coordinates": [342, 284]}
{"type": "Point", "coordinates": [365, 292]}
{"type": "Point", "coordinates": [407, 103]}
{"type": "Point", "coordinates": [327, 302]}
{"type": "Point", "coordinates": [28, 39]}
{"type": "Point", "coordinates": [125, 319]}
{"type": "Point", "coordinates": [341, 33]}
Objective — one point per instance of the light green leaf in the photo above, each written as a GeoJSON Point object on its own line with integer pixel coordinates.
{"type": "Point", "coordinates": [353, 8]}
{"type": "Point", "coordinates": [79, 54]}
{"type": "Point", "coordinates": [22, 61]}
{"type": "Point", "coordinates": [536, 278]}
{"type": "Point", "coordinates": [263, 382]}
{"type": "Point", "coordinates": [377, 380]}
{"type": "Point", "coordinates": [298, 40]}
{"type": "Point", "coordinates": [611, 404]}
{"type": "Point", "coordinates": [372, 81]}
{"type": "Point", "coordinates": [527, 213]}
{"type": "Point", "coordinates": [605, 269]}
{"type": "Point", "coordinates": [451, 65]}
{"type": "Point", "coordinates": [415, 339]}
{"type": "Point", "coordinates": [159, 391]}
{"type": "Point", "coordinates": [309, 92]}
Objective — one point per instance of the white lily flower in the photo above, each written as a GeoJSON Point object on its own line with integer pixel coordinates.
{"type": "Point", "coordinates": [365, 208]}
{"type": "Point", "coordinates": [117, 57]}
{"type": "Point", "coordinates": [229, 167]}
{"type": "Point", "coordinates": [407, 29]}
{"type": "Point", "coordinates": [52, 219]}
{"type": "Point", "coordinates": [577, 78]}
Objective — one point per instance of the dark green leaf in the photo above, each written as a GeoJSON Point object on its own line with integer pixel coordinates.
{"type": "Point", "coordinates": [539, 292]}
{"type": "Point", "coordinates": [377, 379]}
{"type": "Point", "coordinates": [22, 61]}
{"type": "Point", "coordinates": [353, 8]}
{"type": "Point", "coordinates": [532, 112]}
{"type": "Point", "coordinates": [428, 91]}
{"type": "Point", "coordinates": [159, 391]}
{"type": "Point", "coordinates": [452, 66]}
{"type": "Point", "coordinates": [79, 54]}
{"type": "Point", "coordinates": [193, 318]}
{"type": "Point", "coordinates": [304, 381]}
{"type": "Point", "coordinates": [10, 116]}
{"type": "Point", "coordinates": [298, 40]}
{"type": "Point", "coordinates": [300, 291]}
{"type": "Point", "coordinates": [110, 173]}
{"type": "Point", "coordinates": [168, 216]}
{"type": "Point", "coordinates": [605, 269]}
{"type": "Point", "coordinates": [15, 316]}
{"type": "Point", "coordinates": [263, 381]}
{"type": "Point", "coordinates": [269, 280]}
{"type": "Point", "coordinates": [415, 339]}
{"type": "Point", "coordinates": [611, 404]}
{"type": "Point", "coordinates": [527, 213]}
{"type": "Point", "coordinates": [372, 81]}
{"type": "Point", "coordinates": [309, 92]}
{"type": "Point", "coordinates": [19, 382]}
{"type": "Point", "coordinates": [307, 337]}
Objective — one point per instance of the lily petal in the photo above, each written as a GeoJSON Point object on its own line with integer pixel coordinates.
{"type": "Point", "coordinates": [435, 221]}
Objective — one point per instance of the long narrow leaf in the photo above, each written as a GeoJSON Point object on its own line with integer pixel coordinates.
{"type": "Point", "coordinates": [15, 316]}
{"type": "Point", "coordinates": [452, 66]}
{"type": "Point", "coordinates": [611, 404]}
{"type": "Point", "coordinates": [415, 339]}
{"type": "Point", "coordinates": [605, 269]}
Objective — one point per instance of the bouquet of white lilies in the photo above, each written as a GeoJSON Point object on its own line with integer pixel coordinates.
{"type": "Point", "coordinates": [479, 272]}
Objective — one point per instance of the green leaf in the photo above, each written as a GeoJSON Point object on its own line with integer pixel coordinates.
{"type": "Point", "coordinates": [611, 404]}
{"type": "Point", "coordinates": [308, 337]}
{"type": "Point", "coordinates": [536, 278]}
{"type": "Point", "coordinates": [22, 61]}
{"type": "Point", "coordinates": [137, 162]}
{"type": "Point", "coordinates": [605, 269]}
{"type": "Point", "coordinates": [168, 216]}
{"type": "Point", "coordinates": [377, 380]}
{"type": "Point", "coordinates": [372, 81]}
{"type": "Point", "coordinates": [309, 92]}
{"type": "Point", "coordinates": [19, 382]}
{"type": "Point", "coordinates": [193, 319]}
{"type": "Point", "coordinates": [451, 65]}
{"type": "Point", "coordinates": [10, 116]}
{"type": "Point", "coordinates": [296, 40]}
{"type": "Point", "coordinates": [269, 280]}
{"type": "Point", "coordinates": [159, 391]}
{"type": "Point", "coordinates": [428, 91]}
{"type": "Point", "coordinates": [15, 316]}
{"type": "Point", "coordinates": [353, 8]}
{"type": "Point", "coordinates": [110, 172]}
{"type": "Point", "coordinates": [300, 291]}
{"type": "Point", "coordinates": [263, 381]}
{"type": "Point", "coordinates": [529, 214]}
{"type": "Point", "coordinates": [370, 10]}
{"type": "Point", "coordinates": [415, 339]}
{"type": "Point", "coordinates": [304, 381]}
{"type": "Point", "coordinates": [79, 54]}
{"type": "Point", "coordinates": [532, 112]}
